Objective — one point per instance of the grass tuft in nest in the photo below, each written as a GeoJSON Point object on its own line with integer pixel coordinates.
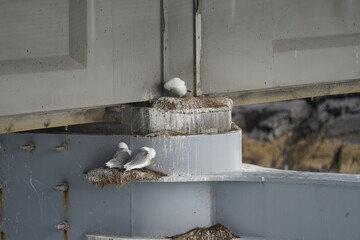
{"type": "Point", "coordinates": [216, 232]}
{"type": "Point", "coordinates": [103, 176]}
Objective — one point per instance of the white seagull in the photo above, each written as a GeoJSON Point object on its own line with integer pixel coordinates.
{"type": "Point", "coordinates": [141, 159]}
{"type": "Point", "coordinates": [121, 157]}
{"type": "Point", "coordinates": [176, 86]}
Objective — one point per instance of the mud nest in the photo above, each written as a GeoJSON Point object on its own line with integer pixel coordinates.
{"type": "Point", "coordinates": [216, 232]}
{"type": "Point", "coordinates": [103, 176]}
{"type": "Point", "coordinates": [187, 103]}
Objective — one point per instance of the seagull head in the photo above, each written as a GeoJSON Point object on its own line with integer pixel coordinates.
{"type": "Point", "coordinates": [151, 152]}
{"type": "Point", "coordinates": [123, 145]}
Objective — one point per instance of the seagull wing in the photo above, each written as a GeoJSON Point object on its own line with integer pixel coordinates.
{"type": "Point", "coordinates": [121, 157]}
{"type": "Point", "coordinates": [139, 160]}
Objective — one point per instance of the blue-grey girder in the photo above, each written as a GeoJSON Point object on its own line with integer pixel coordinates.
{"type": "Point", "coordinates": [252, 201]}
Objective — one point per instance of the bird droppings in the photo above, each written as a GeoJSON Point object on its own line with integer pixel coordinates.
{"type": "Point", "coordinates": [188, 103]}
{"type": "Point", "coordinates": [103, 176]}
{"type": "Point", "coordinates": [215, 232]}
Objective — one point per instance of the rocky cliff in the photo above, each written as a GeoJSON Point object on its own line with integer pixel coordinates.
{"type": "Point", "coordinates": [320, 134]}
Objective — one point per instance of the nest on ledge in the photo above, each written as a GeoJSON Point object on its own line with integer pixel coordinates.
{"type": "Point", "coordinates": [103, 176]}
{"type": "Point", "coordinates": [188, 103]}
{"type": "Point", "coordinates": [216, 232]}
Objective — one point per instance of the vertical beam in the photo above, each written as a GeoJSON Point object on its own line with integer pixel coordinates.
{"type": "Point", "coordinates": [164, 41]}
{"type": "Point", "coordinates": [197, 44]}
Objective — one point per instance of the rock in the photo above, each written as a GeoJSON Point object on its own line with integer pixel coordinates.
{"type": "Point", "coordinates": [321, 135]}
{"type": "Point", "coordinates": [271, 120]}
{"type": "Point", "coordinates": [349, 161]}
{"type": "Point", "coordinates": [342, 126]}
{"type": "Point", "coordinates": [312, 154]}
{"type": "Point", "coordinates": [264, 153]}
{"type": "Point", "coordinates": [306, 154]}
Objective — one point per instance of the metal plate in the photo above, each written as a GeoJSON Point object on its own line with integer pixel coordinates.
{"type": "Point", "coordinates": [258, 202]}
{"type": "Point", "coordinates": [252, 45]}
{"type": "Point", "coordinates": [85, 54]}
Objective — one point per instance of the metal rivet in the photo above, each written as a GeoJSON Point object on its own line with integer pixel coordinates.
{"type": "Point", "coordinates": [62, 187]}
{"type": "Point", "coordinates": [61, 148]}
{"type": "Point", "coordinates": [28, 147]}
{"type": "Point", "coordinates": [62, 226]}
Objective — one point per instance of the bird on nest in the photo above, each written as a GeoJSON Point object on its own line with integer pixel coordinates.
{"type": "Point", "coordinates": [121, 157]}
{"type": "Point", "coordinates": [141, 159]}
{"type": "Point", "coordinates": [177, 87]}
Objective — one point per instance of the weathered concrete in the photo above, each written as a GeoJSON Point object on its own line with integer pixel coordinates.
{"type": "Point", "coordinates": [179, 116]}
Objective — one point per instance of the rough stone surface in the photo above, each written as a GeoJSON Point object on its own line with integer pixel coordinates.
{"type": "Point", "coordinates": [322, 134]}
{"type": "Point", "coordinates": [308, 154]}
{"type": "Point", "coordinates": [271, 120]}
{"type": "Point", "coordinates": [188, 115]}
{"type": "Point", "coordinates": [264, 153]}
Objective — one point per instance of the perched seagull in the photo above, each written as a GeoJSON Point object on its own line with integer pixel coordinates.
{"type": "Point", "coordinates": [121, 157]}
{"type": "Point", "coordinates": [176, 86]}
{"type": "Point", "coordinates": [141, 159]}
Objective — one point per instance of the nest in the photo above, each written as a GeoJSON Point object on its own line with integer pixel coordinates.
{"type": "Point", "coordinates": [187, 103]}
{"type": "Point", "coordinates": [216, 232]}
{"type": "Point", "coordinates": [103, 176]}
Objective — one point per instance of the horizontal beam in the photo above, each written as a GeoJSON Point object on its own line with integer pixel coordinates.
{"type": "Point", "coordinates": [288, 93]}
{"type": "Point", "coordinates": [31, 121]}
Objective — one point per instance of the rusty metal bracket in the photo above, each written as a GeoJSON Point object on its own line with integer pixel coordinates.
{"type": "Point", "coordinates": [28, 147]}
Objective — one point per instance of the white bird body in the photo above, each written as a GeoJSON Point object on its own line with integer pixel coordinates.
{"type": "Point", "coordinates": [176, 86]}
{"type": "Point", "coordinates": [121, 157]}
{"type": "Point", "coordinates": [141, 159]}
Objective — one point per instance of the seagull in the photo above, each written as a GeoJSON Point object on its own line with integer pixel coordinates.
{"type": "Point", "coordinates": [121, 157]}
{"type": "Point", "coordinates": [141, 159]}
{"type": "Point", "coordinates": [176, 86]}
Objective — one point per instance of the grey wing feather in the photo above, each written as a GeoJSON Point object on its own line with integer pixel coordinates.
{"type": "Point", "coordinates": [121, 157]}
{"type": "Point", "coordinates": [139, 158]}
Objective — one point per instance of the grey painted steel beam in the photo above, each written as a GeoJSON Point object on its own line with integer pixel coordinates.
{"type": "Point", "coordinates": [101, 53]}
{"type": "Point", "coordinates": [269, 204]}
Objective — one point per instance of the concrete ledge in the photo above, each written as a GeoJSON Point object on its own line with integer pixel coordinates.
{"type": "Point", "coordinates": [102, 237]}
{"type": "Point", "coordinates": [189, 115]}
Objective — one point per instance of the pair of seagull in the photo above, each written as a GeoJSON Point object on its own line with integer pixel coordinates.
{"type": "Point", "coordinates": [123, 159]}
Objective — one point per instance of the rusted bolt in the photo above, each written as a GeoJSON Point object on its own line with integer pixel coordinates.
{"type": "Point", "coordinates": [28, 147]}
{"type": "Point", "coordinates": [61, 148]}
{"type": "Point", "coordinates": [62, 187]}
{"type": "Point", "coordinates": [62, 226]}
